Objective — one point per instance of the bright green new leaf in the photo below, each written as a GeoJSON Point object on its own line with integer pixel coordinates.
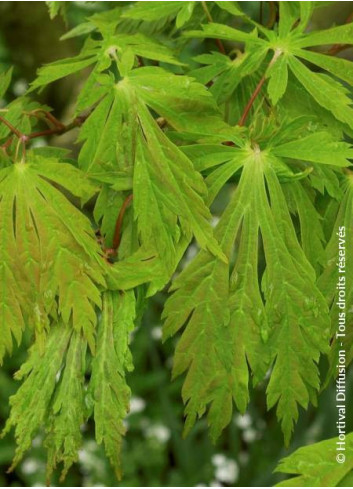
{"type": "Point", "coordinates": [299, 332]}
{"type": "Point", "coordinates": [316, 465]}
{"type": "Point", "coordinates": [227, 73]}
{"type": "Point", "coordinates": [342, 34]}
{"type": "Point", "coordinates": [326, 91]}
{"type": "Point", "coordinates": [278, 78]}
{"type": "Point", "coordinates": [108, 387]}
{"type": "Point", "coordinates": [5, 80]}
{"type": "Point", "coordinates": [48, 246]}
{"type": "Point", "coordinates": [60, 69]}
{"type": "Point", "coordinates": [310, 221]}
{"type": "Point", "coordinates": [221, 31]}
{"type": "Point", "coordinates": [64, 436]}
{"type": "Point", "coordinates": [31, 403]}
{"type": "Point", "coordinates": [231, 7]}
{"type": "Point", "coordinates": [141, 267]}
{"type": "Point", "coordinates": [101, 54]}
{"type": "Point", "coordinates": [288, 45]}
{"type": "Point", "coordinates": [183, 189]}
{"type": "Point", "coordinates": [185, 14]}
{"type": "Point", "coordinates": [150, 11]}
{"type": "Point", "coordinates": [319, 147]}
{"type": "Point", "coordinates": [228, 324]}
{"type": "Point", "coordinates": [306, 10]}
{"type": "Point", "coordinates": [56, 8]}
{"type": "Point", "coordinates": [168, 193]}
{"type": "Point", "coordinates": [186, 105]}
{"type": "Point", "coordinates": [213, 348]}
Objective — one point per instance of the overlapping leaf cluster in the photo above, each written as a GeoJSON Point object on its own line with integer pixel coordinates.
{"type": "Point", "coordinates": [158, 146]}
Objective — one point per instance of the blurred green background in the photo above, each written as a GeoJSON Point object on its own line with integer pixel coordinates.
{"type": "Point", "coordinates": [154, 451]}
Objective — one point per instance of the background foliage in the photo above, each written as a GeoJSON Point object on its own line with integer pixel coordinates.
{"type": "Point", "coordinates": [154, 452]}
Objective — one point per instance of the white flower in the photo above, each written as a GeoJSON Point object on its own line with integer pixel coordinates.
{"type": "Point", "coordinates": [219, 459]}
{"type": "Point", "coordinates": [249, 435]}
{"type": "Point", "coordinates": [158, 431]}
{"type": "Point", "coordinates": [156, 333]}
{"type": "Point", "coordinates": [137, 405]}
{"type": "Point", "coordinates": [244, 421]}
{"type": "Point", "coordinates": [30, 466]}
{"type": "Point", "coordinates": [191, 253]}
{"type": "Point", "coordinates": [229, 473]}
{"type": "Point", "coordinates": [215, 484]}
{"type": "Point", "coordinates": [227, 470]}
{"type": "Point", "coordinates": [37, 441]}
{"type": "Point", "coordinates": [19, 87]}
{"type": "Point", "coordinates": [39, 143]}
{"type": "Point", "coordinates": [214, 221]}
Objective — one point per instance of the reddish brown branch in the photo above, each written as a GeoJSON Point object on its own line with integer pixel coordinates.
{"type": "Point", "coordinates": [6, 145]}
{"type": "Point", "coordinates": [251, 101]}
{"type": "Point", "coordinates": [48, 117]}
{"type": "Point", "coordinates": [59, 129]}
{"type": "Point", "coordinates": [77, 122]}
{"type": "Point", "coordinates": [272, 15]}
{"type": "Point", "coordinates": [210, 19]}
{"type": "Point", "coordinates": [119, 222]}
{"type": "Point", "coordinates": [337, 48]}
{"type": "Point", "coordinates": [11, 127]}
{"type": "Point", "coordinates": [257, 90]}
{"type": "Point", "coordinates": [221, 47]}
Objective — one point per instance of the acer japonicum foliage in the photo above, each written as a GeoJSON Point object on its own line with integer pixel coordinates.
{"type": "Point", "coordinates": [86, 242]}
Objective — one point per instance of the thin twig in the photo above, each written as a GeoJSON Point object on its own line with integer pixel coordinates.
{"type": "Point", "coordinates": [272, 15]}
{"type": "Point", "coordinates": [210, 19]}
{"type": "Point", "coordinates": [11, 127]}
{"type": "Point", "coordinates": [77, 122]}
{"type": "Point", "coordinates": [119, 222]}
{"type": "Point", "coordinates": [257, 90]}
{"type": "Point", "coordinates": [6, 145]}
{"type": "Point", "coordinates": [337, 48]}
{"type": "Point", "coordinates": [58, 130]}
{"type": "Point", "coordinates": [21, 142]}
{"type": "Point", "coordinates": [48, 117]}
{"type": "Point", "coordinates": [251, 101]}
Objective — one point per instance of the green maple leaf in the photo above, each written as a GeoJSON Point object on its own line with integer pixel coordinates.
{"type": "Point", "coordinates": [48, 246]}
{"type": "Point", "coordinates": [56, 8]}
{"type": "Point", "coordinates": [289, 45]}
{"type": "Point", "coordinates": [152, 12]}
{"type": "Point", "coordinates": [101, 53]}
{"type": "Point", "coordinates": [316, 465]}
{"type": "Point", "coordinates": [216, 361]}
{"type": "Point", "coordinates": [58, 374]}
{"type": "Point", "coordinates": [108, 387]}
{"type": "Point", "coordinates": [227, 73]}
{"type": "Point", "coordinates": [311, 232]}
{"type": "Point", "coordinates": [186, 105]}
{"type": "Point", "coordinates": [29, 410]}
{"type": "Point", "coordinates": [5, 80]}
{"type": "Point", "coordinates": [231, 7]}
{"type": "Point", "coordinates": [228, 324]}
{"type": "Point", "coordinates": [168, 202]}
{"type": "Point", "coordinates": [65, 419]}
